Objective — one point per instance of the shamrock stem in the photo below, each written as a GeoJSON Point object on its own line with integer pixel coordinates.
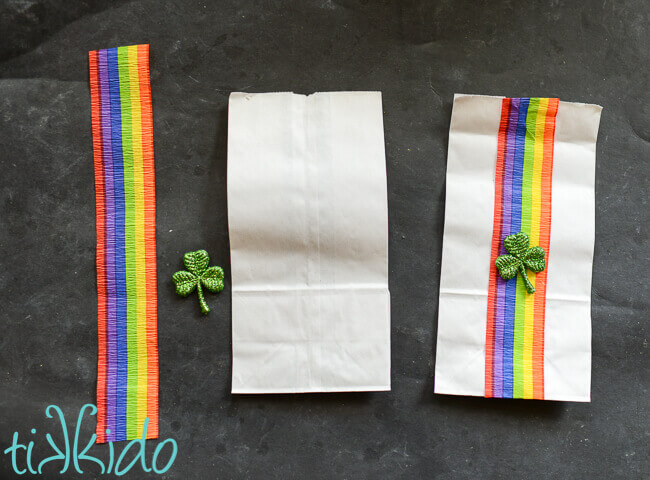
{"type": "Point", "coordinates": [204, 305]}
{"type": "Point", "coordinates": [529, 286]}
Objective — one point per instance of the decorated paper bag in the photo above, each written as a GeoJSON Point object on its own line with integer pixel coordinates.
{"type": "Point", "coordinates": [514, 315]}
{"type": "Point", "coordinates": [308, 221]}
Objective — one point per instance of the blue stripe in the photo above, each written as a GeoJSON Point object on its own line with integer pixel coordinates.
{"type": "Point", "coordinates": [518, 177]}
{"type": "Point", "coordinates": [120, 267]}
{"type": "Point", "coordinates": [521, 104]}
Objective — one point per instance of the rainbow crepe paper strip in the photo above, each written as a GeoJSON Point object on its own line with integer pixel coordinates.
{"type": "Point", "coordinates": [127, 374]}
{"type": "Point", "coordinates": [518, 165]}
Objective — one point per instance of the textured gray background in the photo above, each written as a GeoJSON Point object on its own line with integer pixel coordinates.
{"type": "Point", "coordinates": [418, 54]}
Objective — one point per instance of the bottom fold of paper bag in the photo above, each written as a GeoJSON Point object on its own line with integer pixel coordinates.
{"type": "Point", "coordinates": [340, 342]}
{"type": "Point", "coordinates": [460, 354]}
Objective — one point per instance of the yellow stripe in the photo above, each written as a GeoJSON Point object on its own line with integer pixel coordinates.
{"type": "Point", "coordinates": [534, 241]}
{"type": "Point", "coordinates": [138, 187]}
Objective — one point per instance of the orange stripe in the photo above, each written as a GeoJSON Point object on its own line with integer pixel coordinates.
{"type": "Point", "coordinates": [102, 307]}
{"type": "Point", "coordinates": [496, 240]}
{"type": "Point", "coordinates": [149, 240]}
{"type": "Point", "coordinates": [544, 241]}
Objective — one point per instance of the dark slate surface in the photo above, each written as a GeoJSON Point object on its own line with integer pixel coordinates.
{"type": "Point", "coordinates": [418, 54]}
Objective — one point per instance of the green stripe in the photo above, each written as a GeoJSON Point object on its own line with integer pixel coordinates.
{"type": "Point", "coordinates": [526, 213]}
{"type": "Point", "coordinates": [129, 240]}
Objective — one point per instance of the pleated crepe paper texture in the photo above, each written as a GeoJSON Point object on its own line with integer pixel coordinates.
{"type": "Point", "coordinates": [127, 375]}
{"type": "Point", "coordinates": [308, 221]}
{"type": "Point", "coordinates": [518, 165]}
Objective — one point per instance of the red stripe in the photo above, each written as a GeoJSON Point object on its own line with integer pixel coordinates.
{"type": "Point", "coordinates": [496, 239]}
{"type": "Point", "coordinates": [544, 242]}
{"type": "Point", "coordinates": [102, 307]}
{"type": "Point", "coordinates": [149, 240]}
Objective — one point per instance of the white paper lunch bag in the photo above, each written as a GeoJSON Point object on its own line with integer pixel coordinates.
{"type": "Point", "coordinates": [308, 225]}
{"type": "Point", "coordinates": [514, 315]}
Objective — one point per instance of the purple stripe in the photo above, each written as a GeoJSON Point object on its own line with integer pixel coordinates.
{"type": "Point", "coordinates": [505, 230]}
{"type": "Point", "coordinates": [111, 287]}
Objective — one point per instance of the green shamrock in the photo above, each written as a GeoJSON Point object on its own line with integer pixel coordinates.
{"type": "Point", "coordinates": [521, 258]}
{"type": "Point", "coordinates": [199, 275]}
